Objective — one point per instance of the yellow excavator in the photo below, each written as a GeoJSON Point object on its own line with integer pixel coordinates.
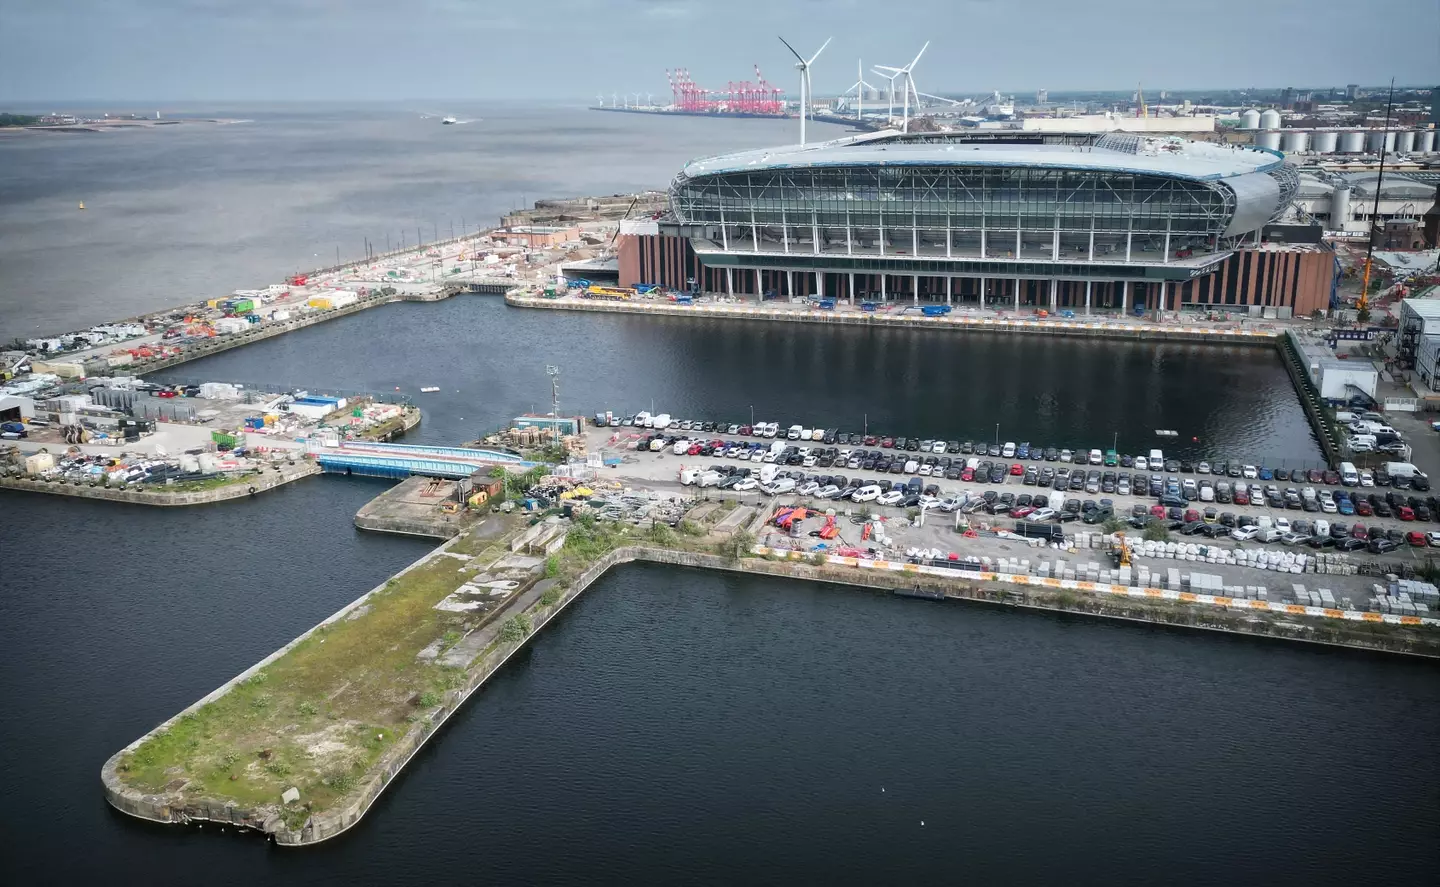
{"type": "Point", "coordinates": [1120, 551]}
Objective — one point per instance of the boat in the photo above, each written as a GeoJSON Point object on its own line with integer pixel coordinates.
{"type": "Point", "coordinates": [82, 204]}
{"type": "Point", "coordinates": [430, 389]}
{"type": "Point", "coordinates": [448, 120]}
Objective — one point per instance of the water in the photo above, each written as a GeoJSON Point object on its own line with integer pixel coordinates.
{"type": "Point", "coordinates": [676, 725]}
{"type": "Point", "coordinates": [489, 360]}
{"type": "Point", "coordinates": [183, 213]}
{"type": "Point", "coordinates": [673, 725]}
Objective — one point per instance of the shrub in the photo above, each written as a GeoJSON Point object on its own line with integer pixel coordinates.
{"type": "Point", "coordinates": [308, 708]}
{"type": "Point", "coordinates": [552, 567]}
{"type": "Point", "coordinates": [690, 528]}
{"type": "Point", "coordinates": [515, 628]}
{"type": "Point", "coordinates": [1156, 532]}
{"type": "Point", "coordinates": [429, 699]}
{"type": "Point", "coordinates": [550, 597]}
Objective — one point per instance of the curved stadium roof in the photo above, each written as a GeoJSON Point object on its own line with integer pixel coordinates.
{"type": "Point", "coordinates": [1166, 157]}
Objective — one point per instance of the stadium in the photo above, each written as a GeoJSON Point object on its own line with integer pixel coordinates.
{"type": "Point", "coordinates": [995, 219]}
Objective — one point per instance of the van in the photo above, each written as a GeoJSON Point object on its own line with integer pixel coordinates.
{"type": "Point", "coordinates": [689, 476]}
{"type": "Point", "coordinates": [794, 432]}
{"type": "Point", "coordinates": [772, 429]}
{"type": "Point", "coordinates": [680, 447]}
{"type": "Point", "coordinates": [1322, 527]}
{"type": "Point", "coordinates": [710, 478]}
{"type": "Point", "coordinates": [644, 420]}
{"type": "Point", "coordinates": [767, 473]}
{"type": "Point", "coordinates": [662, 421]}
{"type": "Point", "coordinates": [1264, 522]}
{"type": "Point", "coordinates": [1157, 458]}
{"type": "Point", "coordinates": [1057, 501]}
{"type": "Point", "coordinates": [1096, 457]}
{"type": "Point", "coordinates": [1267, 534]}
{"type": "Point", "coordinates": [1348, 475]}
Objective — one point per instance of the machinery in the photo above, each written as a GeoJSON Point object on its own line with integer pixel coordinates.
{"type": "Point", "coordinates": [1120, 551]}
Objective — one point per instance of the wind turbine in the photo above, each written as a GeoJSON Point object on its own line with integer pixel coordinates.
{"type": "Point", "coordinates": [909, 84]}
{"type": "Point", "coordinates": [804, 67]}
{"type": "Point", "coordinates": [860, 86]}
{"type": "Point", "coordinates": [890, 93]}
{"type": "Point", "coordinates": [600, 99]}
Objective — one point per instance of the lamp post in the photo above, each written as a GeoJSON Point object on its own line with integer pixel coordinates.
{"type": "Point", "coordinates": [752, 415]}
{"type": "Point", "coordinates": [997, 434]}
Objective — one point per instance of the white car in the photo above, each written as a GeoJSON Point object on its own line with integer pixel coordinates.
{"type": "Point", "coordinates": [927, 469]}
{"type": "Point", "coordinates": [1328, 506]}
{"type": "Point", "coordinates": [1250, 472]}
{"type": "Point", "coordinates": [1041, 514]}
{"type": "Point", "coordinates": [1433, 537]}
{"type": "Point", "coordinates": [1282, 524]}
{"type": "Point", "coordinates": [929, 501]}
{"type": "Point", "coordinates": [809, 489]}
{"type": "Point", "coordinates": [1067, 456]}
{"type": "Point", "coordinates": [1008, 451]}
{"type": "Point", "coordinates": [1293, 538]}
{"type": "Point", "coordinates": [781, 485]}
{"type": "Point", "coordinates": [828, 492]}
{"type": "Point", "coordinates": [808, 461]}
{"type": "Point", "coordinates": [1367, 478]}
{"type": "Point", "coordinates": [1207, 492]}
{"type": "Point", "coordinates": [1142, 464]}
{"type": "Point", "coordinates": [911, 466]}
{"type": "Point", "coordinates": [889, 497]}
{"type": "Point", "coordinates": [868, 493]}
{"type": "Point", "coordinates": [938, 447]}
{"type": "Point", "coordinates": [1244, 534]}
{"type": "Point", "coordinates": [1202, 468]}
{"type": "Point", "coordinates": [745, 485]}
{"type": "Point", "coordinates": [1122, 488]}
{"type": "Point", "coordinates": [950, 503]}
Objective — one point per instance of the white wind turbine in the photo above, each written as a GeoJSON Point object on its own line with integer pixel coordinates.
{"type": "Point", "coordinates": [600, 99]}
{"type": "Point", "coordinates": [890, 91]}
{"type": "Point", "coordinates": [860, 86]}
{"type": "Point", "coordinates": [909, 84]}
{"type": "Point", "coordinates": [804, 67]}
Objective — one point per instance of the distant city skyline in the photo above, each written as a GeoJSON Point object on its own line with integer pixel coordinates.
{"type": "Point", "coordinates": [452, 50]}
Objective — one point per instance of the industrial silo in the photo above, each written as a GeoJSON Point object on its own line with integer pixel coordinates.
{"type": "Point", "coordinates": [1324, 142]}
{"type": "Point", "coordinates": [1425, 144]}
{"type": "Point", "coordinates": [1380, 140]}
{"type": "Point", "coordinates": [1269, 140]}
{"type": "Point", "coordinates": [1339, 207]}
{"type": "Point", "coordinates": [1352, 142]}
{"type": "Point", "coordinates": [1405, 141]}
{"type": "Point", "coordinates": [1250, 119]}
{"type": "Point", "coordinates": [1295, 141]}
{"type": "Point", "coordinates": [1270, 119]}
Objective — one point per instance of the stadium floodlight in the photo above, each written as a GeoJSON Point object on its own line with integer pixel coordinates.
{"type": "Point", "coordinates": [804, 67]}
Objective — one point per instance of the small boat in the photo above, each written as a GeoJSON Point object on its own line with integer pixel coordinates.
{"type": "Point", "coordinates": [430, 389]}
{"type": "Point", "coordinates": [82, 204]}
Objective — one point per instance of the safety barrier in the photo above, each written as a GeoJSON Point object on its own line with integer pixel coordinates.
{"type": "Point", "coordinates": [1105, 588]}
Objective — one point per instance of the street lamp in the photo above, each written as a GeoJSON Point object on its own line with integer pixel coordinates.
{"type": "Point", "coordinates": [752, 415]}
{"type": "Point", "coordinates": [997, 434]}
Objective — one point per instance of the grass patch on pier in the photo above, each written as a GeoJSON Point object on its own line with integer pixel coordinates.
{"type": "Point", "coordinates": [318, 717]}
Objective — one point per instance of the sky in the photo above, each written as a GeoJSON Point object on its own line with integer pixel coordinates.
{"type": "Point", "coordinates": [395, 50]}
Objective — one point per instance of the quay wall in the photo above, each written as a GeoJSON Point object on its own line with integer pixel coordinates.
{"type": "Point", "coordinates": [1050, 327]}
{"type": "Point", "coordinates": [328, 824]}
{"type": "Point", "coordinates": [251, 486]}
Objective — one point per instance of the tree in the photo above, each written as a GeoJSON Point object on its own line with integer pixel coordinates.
{"type": "Point", "coordinates": [1363, 315]}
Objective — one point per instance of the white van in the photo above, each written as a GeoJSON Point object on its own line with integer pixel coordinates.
{"type": "Point", "coordinates": [767, 473]}
{"type": "Point", "coordinates": [866, 494]}
{"type": "Point", "coordinates": [1268, 534]}
{"type": "Point", "coordinates": [1348, 475]}
{"type": "Point", "coordinates": [772, 429]}
{"type": "Point", "coordinates": [794, 432]}
{"type": "Point", "coordinates": [689, 476]}
{"type": "Point", "coordinates": [710, 478]}
{"type": "Point", "coordinates": [1096, 457]}
{"type": "Point", "coordinates": [1322, 527]}
{"type": "Point", "coordinates": [1157, 459]}
{"type": "Point", "coordinates": [680, 447]}
{"type": "Point", "coordinates": [662, 420]}
{"type": "Point", "coordinates": [1057, 501]}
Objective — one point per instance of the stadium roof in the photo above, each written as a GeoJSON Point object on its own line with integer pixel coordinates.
{"type": "Point", "coordinates": [1143, 155]}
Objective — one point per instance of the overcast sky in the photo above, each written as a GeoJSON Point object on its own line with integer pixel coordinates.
{"type": "Point", "coordinates": [235, 50]}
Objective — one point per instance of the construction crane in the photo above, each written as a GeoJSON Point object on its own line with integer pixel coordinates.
{"type": "Point", "coordinates": [1120, 551]}
{"type": "Point", "coordinates": [628, 210]}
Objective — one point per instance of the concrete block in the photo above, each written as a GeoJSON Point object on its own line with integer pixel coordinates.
{"type": "Point", "coordinates": [290, 795]}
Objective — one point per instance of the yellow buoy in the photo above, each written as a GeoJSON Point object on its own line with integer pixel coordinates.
{"type": "Point", "coordinates": [82, 204]}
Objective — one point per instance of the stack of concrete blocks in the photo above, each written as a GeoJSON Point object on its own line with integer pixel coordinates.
{"type": "Point", "coordinates": [1124, 578]}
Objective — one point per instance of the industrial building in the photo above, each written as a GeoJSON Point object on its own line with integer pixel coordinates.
{"type": "Point", "coordinates": [1344, 202]}
{"type": "Point", "coordinates": [1417, 343]}
{"type": "Point", "coordinates": [1078, 221]}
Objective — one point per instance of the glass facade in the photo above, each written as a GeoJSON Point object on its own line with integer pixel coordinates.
{"type": "Point", "coordinates": [959, 212]}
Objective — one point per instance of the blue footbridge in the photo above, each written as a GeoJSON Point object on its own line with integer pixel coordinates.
{"type": "Point", "coordinates": [389, 460]}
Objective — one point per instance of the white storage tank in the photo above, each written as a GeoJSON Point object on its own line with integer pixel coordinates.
{"type": "Point", "coordinates": [1295, 141]}
{"type": "Point", "coordinates": [1352, 142]}
{"type": "Point", "coordinates": [1425, 141]}
{"type": "Point", "coordinates": [1270, 119]}
{"type": "Point", "coordinates": [1250, 119]}
{"type": "Point", "coordinates": [1324, 142]}
{"type": "Point", "coordinates": [1380, 140]}
{"type": "Point", "coordinates": [1339, 207]}
{"type": "Point", "coordinates": [1405, 142]}
{"type": "Point", "coordinates": [1270, 139]}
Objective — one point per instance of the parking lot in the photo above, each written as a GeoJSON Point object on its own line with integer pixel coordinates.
{"type": "Point", "coordinates": [1292, 508]}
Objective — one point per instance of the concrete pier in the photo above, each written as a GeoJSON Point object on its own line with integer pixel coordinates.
{"type": "Point", "coordinates": [156, 495]}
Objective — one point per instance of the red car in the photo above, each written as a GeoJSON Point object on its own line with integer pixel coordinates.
{"type": "Point", "coordinates": [1158, 511]}
{"type": "Point", "coordinates": [1017, 469]}
{"type": "Point", "coordinates": [888, 443]}
{"type": "Point", "coordinates": [870, 440]}
{"type": "Point", "coordinates": [1315, 476]}
{"type": "Point", "coordinates": [1022, 511]}
{"type": "Point", "coordinates": [1362, 507]}
{"type": "Point", "coordinates": [1242, 498]}
{"type": "Point", "coordinates": [1417, 539]}
{"type": "Point", "coordinates": [744, 429]}
{"type": "Point", "coordinates": [1192, 516]}
{"type": "Point", "coordinates": [968, 475]}
{"type": "Point", "coordinates": [695, 449]}
{"type": "Point", "coordinates": [1405, 512]}
{"type": "Point", "coordinates": [166, 393]}
{"type": "Point", "coordinates": [1358, 531]}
